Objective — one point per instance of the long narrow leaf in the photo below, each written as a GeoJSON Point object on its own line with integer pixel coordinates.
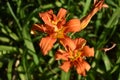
{"type": "Point", "coordinates": [29, 44]}
{"type": "Point", "coordinates": [109, 29]}
{"type": "Point", "coordinates": [15, 18]}
{"type": "Point", "coordinates": [65, 76]}
{"type": "Point", "coordinates": [107, 62]}
{"type": "Point", "coordinates": [9, 71]}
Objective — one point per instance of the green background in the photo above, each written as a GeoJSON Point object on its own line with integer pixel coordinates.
{"type": "Point", "coordinates": [20, 55]}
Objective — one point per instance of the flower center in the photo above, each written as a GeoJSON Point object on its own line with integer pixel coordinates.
{"type": "Point", "coordinates": [59, 33]}
{"type": "Point", "coordinates": [74, 55]}
{"type": "Point", "coordinates": [55, 25]}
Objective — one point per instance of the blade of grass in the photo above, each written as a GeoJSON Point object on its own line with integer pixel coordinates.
{"type": "Point", "coordinates": [115, 68]}
{"type": "Point", "coordinates": [4, 39]}
{"type": "Point", "coordinates": [119, 76]}
{"type": "Point", "coordinates": [65, 76]}
{"type": "Point", "coordinates": [9, 72]}
{"type": "Point", "coordinates": [7, 48]}
{"type": "Point", "coordinates": [39, 2]}
{"type": "Point", "coordinates": [112, 2]}
{"type": "Point", "coordinates": [29, 44]}
{"type": "Point", "coordinates": [25, 66]}
{"type": "Point", "coordinates": [47, 6]}
{"type": "Point", "coordinates": [21, 73]}
{"type": "Point", "coordinates": [107, 62]}
{"type": "Point", "coordinates": [31, 16]}
{"type": "Point", "coordinates": [86, 6]}
{"type": "Point", "coordinates": [16, 19]}
{"type": "Point", "coordinates": [110, 27]}
{"type": "Point", "coordinates": [98, 22]}
{"type": "Point", "coordinates": [118, 60]}
{"type": "Point", "coordinates": [113, 19]}
{"type": "Point", "coordinates": [22, 11]}
{"type": "Point", "coordinates": [7, 31]}
{"type": "Point", "coordinates": [19, 2]}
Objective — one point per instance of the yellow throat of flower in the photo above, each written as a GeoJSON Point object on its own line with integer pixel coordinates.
{"type": "Point", "coordinates": [74, 55]}
{"type": "Point", "coordinates": [59, 33]}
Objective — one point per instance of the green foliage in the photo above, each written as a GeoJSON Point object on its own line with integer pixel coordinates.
{"type": "Point", "coordinates": [20, 55]}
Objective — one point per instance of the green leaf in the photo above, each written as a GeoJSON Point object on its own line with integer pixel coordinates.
{"type": "Point", "coordinates": [118, 60]}
{"type": "Point", "coordinates": [86, 6]}
{"type": "Point", "coordinates": [21, 75]}
{"type": "Point", "coordinates": [119, 76]}
{"type": "Point", "coordinates": [29, 44]}
{"type": "Point", "coordinates": [7, 31]}
{"type": "Point", "coordinates": [59, 4]}
{"type": "Point", "coordinates": [106, 61]}
{"type": "Point", "coordinates": [114, 18]}
{"type": "Point", "coordinates": [100, 70]}
{"type": "Point", "coordinates": [65, 75]}
{"type": "Point", "coordinates": [9, 70]}
{"type": "Point", "coordinates": [4, 39]}
{"type": "Point", "coordinates": [47, 6]}
{"type": "Point", "coordinates": [7, 48]}
{"type": "Point", "coordinates": [18, 27]}
{"type": "Point", "coordinates": [115, 68]}
{"type": "Point", "coordinates": [110, 27]}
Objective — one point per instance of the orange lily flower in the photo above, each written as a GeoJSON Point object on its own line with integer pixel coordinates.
{"type": "Point", "coordinates": [75, 56]}
{"type": "Point", "coordinates": [97, 6]}
{"type": "Point", "coordinates": [56, 27]}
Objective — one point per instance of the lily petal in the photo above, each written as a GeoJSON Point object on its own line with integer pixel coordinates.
{"type": "Point", "coordinates": [61, 14]}
{"type": "Point", "coordinates": [104, 5]}
{"type": "Point", "coordinates": [46, 17]}
{"type": "Point", "coordinates": [80, 43]}
{"type": "Point", "coordinates": [65, 66]}
{"type": "Point", "coordinates": [46, 44]}
{"type": "Point", "coordinates": [73, 25]}
{"type": "Point", "coordinates": [60, 54]}
{"type": "Point", "coordinates": [97, 6]}
{"type": "Point", "coordinates": [100, 4]}
{"type": "Point", "coordinates": [38, 27]}
{"type": "Point", "coordinates": [80, 68]}
{"type": "Point", "coordinates": [68, 43]}
{"type": "Point", "coordinates": [88, 52]}
{"type": "Point", "coordinates": [61, 23]}
{"type": "Point", "coordinates": [87, 66]}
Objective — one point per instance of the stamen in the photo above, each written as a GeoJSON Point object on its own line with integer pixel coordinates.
{"type": "Point", "coordinates": [75, 55]}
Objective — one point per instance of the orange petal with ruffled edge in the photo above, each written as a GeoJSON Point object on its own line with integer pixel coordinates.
{"type": "Point", "coordinates": [79, 42]}
{"type": "Point", "coordinates": [80, 68]}
{"type": "Point", "coordinates": [65, 66]}
{"type": "Point", "coordinates": [72, 25]}
{"type": "Point", "coordinates": [60, 54]}
{"type": "Point", "coordinates": [87, 66]}
{"type": "Point", "coordinates": [88, 52]}
{"type": "Point", "coordinates": [67, 43]}
{"type": "Point", "coordinates": [47, 16]}
{"type": "Point", "coordinates": [46, 44]}
{"type": "Point", "coordinates": [61, 14]}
